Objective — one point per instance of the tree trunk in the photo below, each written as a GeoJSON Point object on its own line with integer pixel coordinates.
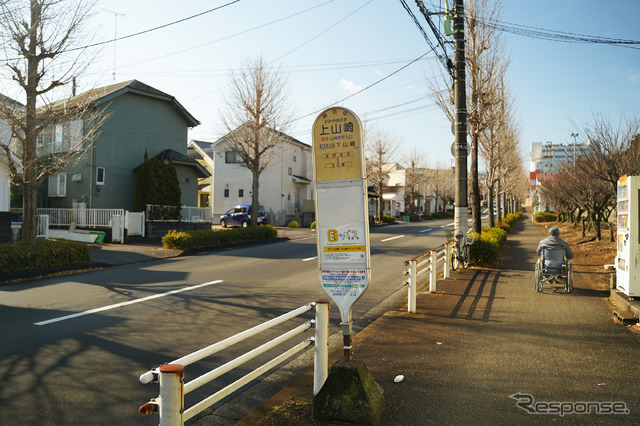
{"type": "Point", "coordinates": [29, 163]}
{"type": "Point", "coordinates": [255, 197]}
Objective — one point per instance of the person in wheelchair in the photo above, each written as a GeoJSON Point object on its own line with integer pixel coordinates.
{"type": "Point", "coordinates": [554, 250]}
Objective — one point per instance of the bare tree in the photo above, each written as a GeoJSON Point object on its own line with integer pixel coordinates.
{"type": "Point", "coordinates": [415, 177]}
{"type": "Point", "coordinates": [381, 148]}
{"type": "Point", "coordinates": [613, 148]}
{"type": "Point", "coordinates": [40, 39]}
{"type": "Point", "coordinates": [255, 118]}
{"type": "Point", "coordinates": [486, 65]}
{"type": "Point", "coordinates": [441, 180]}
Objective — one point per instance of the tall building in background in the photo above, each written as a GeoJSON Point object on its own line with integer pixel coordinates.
{"type": "Point", "coordinates": [550, 158]}
{"type": "Point", "coordinates": [547, 159]}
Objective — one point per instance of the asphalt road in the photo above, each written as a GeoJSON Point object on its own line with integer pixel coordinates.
{"type": "Point", "coordinates": [72, 348]}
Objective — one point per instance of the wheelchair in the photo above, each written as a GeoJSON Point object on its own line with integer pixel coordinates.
{"type": "Point", "coordinates": [554, 268]}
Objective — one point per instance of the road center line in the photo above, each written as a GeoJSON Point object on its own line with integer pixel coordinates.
{"type": "Point", "coordinates": [309, 258]}
{"type": "Point", "coordinates": [392, 238]}
{"type": "Point", "coordinates": [425, 230]}
{"type": "Point", "coordinates": [130, 302]}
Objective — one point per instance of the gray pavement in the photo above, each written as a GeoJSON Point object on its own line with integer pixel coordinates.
{"type": "Point", "coordinates": [122, 254]}
{"type": "Point", "coordinates": [487, 348]}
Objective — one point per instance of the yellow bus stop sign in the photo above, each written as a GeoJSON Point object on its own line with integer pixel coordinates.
{"type": "Point", "coordinates": [337, 146]}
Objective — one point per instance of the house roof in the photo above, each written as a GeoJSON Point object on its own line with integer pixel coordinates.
{"type": "Point", "coordinates": [212, 145]}
{"type": "Point", "coordinates": [105, 94]}
{"type": "Point", "coordinates": [177, 158]}
{"type": "Point", "coordinates": [11, 103]}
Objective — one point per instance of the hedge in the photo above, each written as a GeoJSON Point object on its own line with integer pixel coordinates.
{"type": "Point", "coordinates": [486, 248]}
{"type": "Point", "coordinates": [46, 254]}
{"type": "Point", "coordinates": [545, 217]}
{"type": "Point", "coordinates": [210, 238]}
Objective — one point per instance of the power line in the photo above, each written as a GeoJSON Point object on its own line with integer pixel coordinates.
{"type": "Point", "coordinates": [230, 36]}
{"type": "Point", "coordinates": [365, 88]}
{"type": "Point", "coordinates": [322, 32]}
{"type": "Point", "coordinates": [74, 49]}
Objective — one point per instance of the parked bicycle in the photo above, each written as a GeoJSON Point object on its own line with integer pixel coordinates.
{"type": "Point", "coordinates": [460, 255]}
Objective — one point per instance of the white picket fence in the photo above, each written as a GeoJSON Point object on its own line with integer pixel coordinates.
{"type": "Point", "coordinates": [90, 218]}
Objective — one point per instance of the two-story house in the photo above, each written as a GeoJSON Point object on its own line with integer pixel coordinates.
{"type": "Point", "coordinates": [286, 189]}
{"type": "Point", "coordinates": [5, 141]}
{"type": "Point", "coordinates": [139, 119]}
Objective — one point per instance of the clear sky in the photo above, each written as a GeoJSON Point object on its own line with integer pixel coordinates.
{"type": "Point", "coordinates": [330, 49]}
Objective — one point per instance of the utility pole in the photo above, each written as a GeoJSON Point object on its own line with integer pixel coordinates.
{"type": "Point", "coordinates": [460, 100]}
{"type": "Point", "coordinates": [574, 136]}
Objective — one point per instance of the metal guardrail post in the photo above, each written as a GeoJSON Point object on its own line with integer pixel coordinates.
{"type": "Point", "coordinates": [447, 261]}
{"type": "Point", "coordinates": [413, 285]}
{"type": "Point", "coordinates": [434, 270]}
{"type": "Point", "coordinates": [321, 350]}
{"type": "Point", "coordinates": [171, 395]}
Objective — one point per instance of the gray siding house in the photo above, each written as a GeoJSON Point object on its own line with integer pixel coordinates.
{"type": "Point", "coordinates": [140, 118]}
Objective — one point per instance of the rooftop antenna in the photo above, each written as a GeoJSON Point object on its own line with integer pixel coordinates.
{"type": "Point", "coordinates": [115, 37]}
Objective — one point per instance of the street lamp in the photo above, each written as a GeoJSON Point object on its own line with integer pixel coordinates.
{"type": "Point", "coordinates": [574, 136]}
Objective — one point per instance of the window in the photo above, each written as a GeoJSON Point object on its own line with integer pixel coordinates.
{"type": "Point", "coordinates": [58, 185]}
{"type": "Point", "coordinates": [63, 137]}
{"type": "Point", "coordinates": [226, 193]}
{"type": "Point", "coordinates": [100, 175]}
{"type": "Point", "coordinates": [232, 157]}
{"type": "Point", "coordinates": [294, 158]}
{"type": "Point", "coordinates": [290, 171]}
{"type": "Point", "coordinates": [240, 192]}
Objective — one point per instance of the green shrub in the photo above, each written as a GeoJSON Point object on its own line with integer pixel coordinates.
{"type": "Point", "coordinates": [46, 254]}
{"type": "Point", "coordinates": [505, 226]}
{"type": "Point", "coordinates": [427, 216]}
{"type": "Point", "coordinates": [293, 224]}
{"type": "Point", "coordinates": [209, 238]}
{"type": "Point", "coordinates": [485, 250]}
{"type": "Point", "coordinates": [413, 217]}
{"type": "Point", "coordinates": [442, 215]}
{"type": "Point", "coordinates": [545, 217]}
{"type": "Point", "coordinates": [388, 219]}
{"type": "Point", "coordinates": [313, 225]}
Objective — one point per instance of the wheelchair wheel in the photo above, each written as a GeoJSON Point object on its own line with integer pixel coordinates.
{"type": "Point", "coordinates": [538, 276]}
{"type": "Point", "coordinates": [569, 288]}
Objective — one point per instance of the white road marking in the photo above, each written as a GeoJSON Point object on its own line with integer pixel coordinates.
{"type": "Point", "coordinates": [425, 230]}
{"type": "Point", "coordinates": [130, 302]}
{"type": "Point", "coordinates": [309, 258]}
{"type": "Point", "coordinates": [392, 238]}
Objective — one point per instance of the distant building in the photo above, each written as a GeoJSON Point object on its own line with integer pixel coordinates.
{"type": "Point", "coordinates": [549, 158]}
{"type": "Point", "coordinates": [286, 189]}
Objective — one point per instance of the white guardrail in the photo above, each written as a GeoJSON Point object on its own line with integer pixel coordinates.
{"type": "Point", "coordinates": [423, 263]}
{"type": "Point", "coordinates": [170, 403]}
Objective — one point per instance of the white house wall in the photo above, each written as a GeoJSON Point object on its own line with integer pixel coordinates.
{"type": "Point", "coordinates": [277, 187]}
{"type": "Point", "coordinates": [5, 188]}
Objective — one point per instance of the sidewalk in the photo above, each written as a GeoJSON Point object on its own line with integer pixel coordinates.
{"type": "Point", "coordinates": [487, 335]}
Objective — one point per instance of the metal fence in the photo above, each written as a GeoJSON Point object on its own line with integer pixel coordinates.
{"type": "Point", "coordinates": [170, 403]}
{"type": "Point", "coordinates": [423, 263]}
{"type": "Point", "coordinates": [43, 227]}
{"type": "Point", "coordinates": [158, 213]}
